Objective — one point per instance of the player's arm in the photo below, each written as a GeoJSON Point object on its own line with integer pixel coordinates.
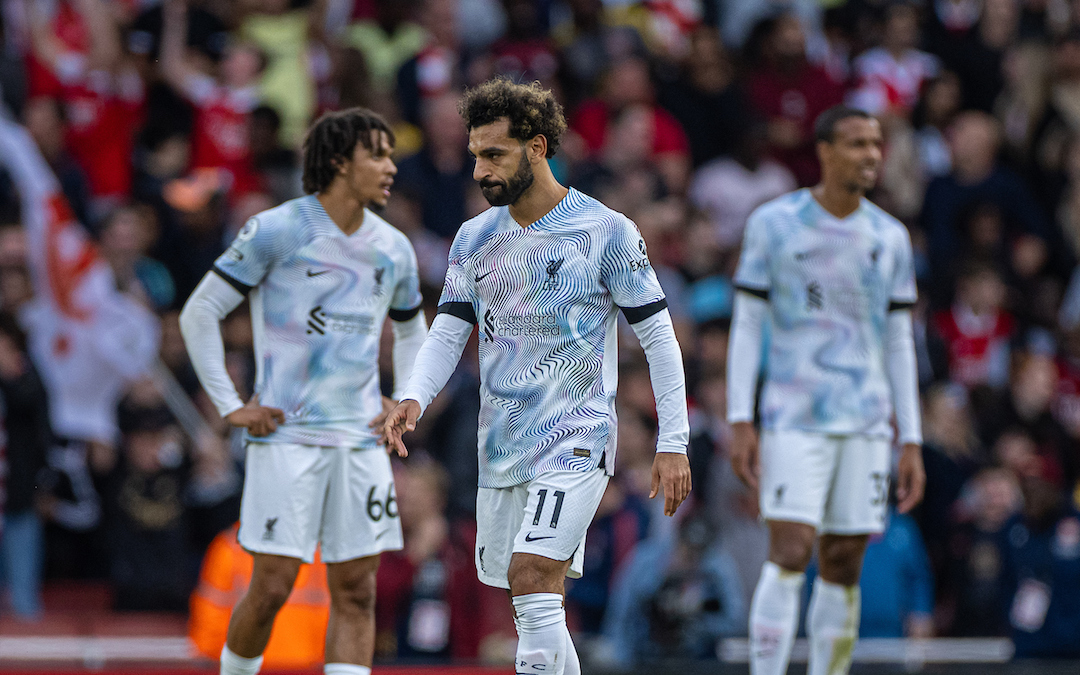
{"type": "Point", "coordinates": [752, 283]}
{"type": "Point", "coordinates": [236, 272]}
{"type": "Point", "coordinates": [409, 326]}
{"type": "Point", "coordinates": [630, 279]}
{"type": "Point", "coordinates": [671, 467]}
{"type": "Point", "coordinates": [900, 363]}
{"type": "Point", "coordinates": [200, 324]}
{"type": "Point", "coordinates": [442, 348]}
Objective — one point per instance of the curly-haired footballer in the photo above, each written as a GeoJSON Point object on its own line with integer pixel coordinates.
{"type": "Point", "coordinates": [543, 274]}
{"type": "Point", "coordinates": [322, 273]}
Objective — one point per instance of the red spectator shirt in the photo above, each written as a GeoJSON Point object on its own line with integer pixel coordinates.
{"type": "Point", "coordinates": [220, 137]}
{"type": "Point", "coordinates": [103, 112]}
{"type": "Point", "coordinates": [800, 97]}
{"type": "Point", "coordinates": [978, 347]}
{"type": "Point", "coordinates": [593, 117]}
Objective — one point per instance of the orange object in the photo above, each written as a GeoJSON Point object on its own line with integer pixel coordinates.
{"type": "Point", "coordinates": [299, 634]}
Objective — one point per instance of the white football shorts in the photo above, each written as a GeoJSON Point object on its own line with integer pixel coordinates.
{"type": "Point", "coordinates": [838, 484]}
{"type": "Point", "coordinates": [548, 516]}
{"type": "Point", "coordinates": [299, 496]}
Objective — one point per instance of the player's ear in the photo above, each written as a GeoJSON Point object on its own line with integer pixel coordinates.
{"type": "Point", "coordinates": [537, 147]}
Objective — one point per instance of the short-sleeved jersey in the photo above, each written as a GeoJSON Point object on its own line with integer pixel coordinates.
{"type": "Point", "coordinates": [830, 284]}
{"type": "Point", "coordinates": [546, 300]}
{"type": "Point", "coordinates": [319, 299]}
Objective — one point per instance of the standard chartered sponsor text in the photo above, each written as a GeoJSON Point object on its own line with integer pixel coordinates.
{"type": "Point", "coordinates": [528, 325]}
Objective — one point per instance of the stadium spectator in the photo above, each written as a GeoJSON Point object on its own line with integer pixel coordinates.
{"type": "Point", "coordinates": [978, 176]}
{"type": "Point", "coordinates": [298, 636]}
{"type": "Point", "coordinates": [977, 329]}
{"type": "Point", "coordinates": [28, 437]}
{"type": "Point", "coordinates": [222, 104]}
{"type": "Point", "coordinates": [790, 92]}
{"type": "Point", "coordinates": [386, 41]}
{"type": "Point", "coordinates": [675, 598]}
{"type": "Point", "coordinates": [100, 90]}
{"type": "Point", "coordinates": [430, 605]}
{"type": "Point", "coordinates": [1042, 571]}
{"type": "Point", "coordinates": [890, 77]}
{"type": "Point", "coordinates": [627, 88]}
{"type": "Point", "coordinates": [972, 599]}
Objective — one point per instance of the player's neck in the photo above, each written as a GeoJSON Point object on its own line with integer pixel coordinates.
{"type": "Point", "coordinates": [346, 211]}
{"type": "Point", "coordinates": [544, 194]}
{"type": "Point", "coordinates": [836, 201]}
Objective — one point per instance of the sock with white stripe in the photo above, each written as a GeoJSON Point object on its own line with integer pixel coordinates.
{"type": "Point", "coordinates": [832, 626]}
{"type": "Point", "coordinates": [345, 669]}
{"type": "Point", "coordinates": [774, 618]}
{"type": "Point", "coordinates": [232, 664]}
{"type": "Point", "coordinates": [541, 625]}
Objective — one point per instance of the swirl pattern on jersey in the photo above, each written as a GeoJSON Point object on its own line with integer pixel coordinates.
{"type": "Point", "coordinates": [830, 284]}
{"type": "Point", "coordinates": [545, 299]}
{"type": "Point", "coordinates": [319, 299]}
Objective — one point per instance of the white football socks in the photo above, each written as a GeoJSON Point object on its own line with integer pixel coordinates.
{"type": "Point", "coordinates": [832, 626]}
{"type": "Point", "coordinates": [774, 619]}
{"type": "Point", "coordinates": [542, 635]}
{"type": "Point", "coordinates": [345, 669]}
{"type": "Point", "coordinates": [231, 664]}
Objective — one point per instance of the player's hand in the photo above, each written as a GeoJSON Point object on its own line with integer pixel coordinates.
{"type": "Point", "coordinates": [910, 479]}
{"type": "Point", "coordinates": [379, 420]}
{"type": "Point", "coordinates": [259, 420]}
{"type": "Point", "coordinates": [401, 419]}
{"type": "Point", "coordinates": [745, 454]}
{"type": "Point", "coordinates": [671, 470]}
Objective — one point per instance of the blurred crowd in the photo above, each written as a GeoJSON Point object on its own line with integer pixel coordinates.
{"type": "Point", "coordinates": [168, 123]}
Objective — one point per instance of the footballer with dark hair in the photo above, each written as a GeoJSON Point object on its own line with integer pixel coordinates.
{"type": "Point", "coordinates": [322, 274]}
{"type": "Point", "coordinates": [543, 275]}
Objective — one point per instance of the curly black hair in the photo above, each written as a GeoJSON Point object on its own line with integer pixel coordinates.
{"type": "Point", "coordinates": [531, 110]}
{"type": "Point", "coordinates": [332, 140]}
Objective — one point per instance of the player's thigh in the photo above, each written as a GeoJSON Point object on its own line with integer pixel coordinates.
{"type": "Point", "coordinates": [560, 507]}
{"type": "Point", "coordinates": [360, 517]}
{"type": "Point", "coordinates": [284, 490]}
{"type": "Point", "coordinates": [498, 518]}
{"type": "Point", "coordinates": [796, 472]}
{"type": "Point", "coordinates": [859, 495]}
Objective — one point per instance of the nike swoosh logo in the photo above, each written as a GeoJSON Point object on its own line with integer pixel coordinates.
{"type": "Point", "coordinates": [315, 274]}
{"type": "Point", "coordinates": [380, 534]}
{"type": "Point", "coordinates": [481, 276]}
{"type": "Point", "coordinates": [530, 538]}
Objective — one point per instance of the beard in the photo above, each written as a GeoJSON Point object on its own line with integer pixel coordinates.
{"type": "Point", "coordinates": [504, 193]}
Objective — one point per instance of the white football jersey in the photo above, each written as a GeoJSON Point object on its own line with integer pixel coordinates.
{"type": "Point", "coordinates": [830, 284]}
{"type": "Point", "coordinates": [319, 299]}
{"type": "Point", "coordinates": [546, 300]}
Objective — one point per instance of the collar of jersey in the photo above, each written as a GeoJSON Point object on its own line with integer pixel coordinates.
{"type": "Point", "coordinates": [321, 222]}
{"type": "Point", "coordinates": [822, 211]}
{"type": "Point", "coordinates": [551, 220]}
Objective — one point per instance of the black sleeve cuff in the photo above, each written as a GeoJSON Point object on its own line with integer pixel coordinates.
{"type": "Point", "coordinates": [762, 293]}
{"type": "Point", "coordinates": [637, 314]}
{"type": "Point", "coordinates": [462, 310]}
{"type": "Point", "coordinates": [233, 281]}
{"type": "Point", "coordinates": [404, 314]}
{"type": "Point", "coordinates": [895, 306]}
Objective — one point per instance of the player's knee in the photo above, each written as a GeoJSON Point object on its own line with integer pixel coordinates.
{"type": "Point", "coordinates": [269, 596]}
{"type": "Point", "coordinates": [791, 552]}
{"type": "Point", "coordinates": [841, 560]}
{"type": "Point", "coordinates": [533, 574]}
{"type": "Point", "coordinates": [355, 593]}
